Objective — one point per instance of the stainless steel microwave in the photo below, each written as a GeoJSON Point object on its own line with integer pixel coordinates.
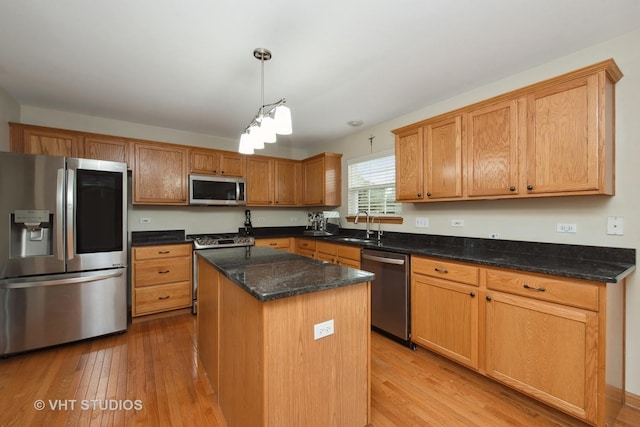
{"type": "Point", "coordinates": [216, 190]}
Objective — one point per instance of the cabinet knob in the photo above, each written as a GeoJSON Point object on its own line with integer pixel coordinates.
{"type": "Point", "coordinates": [529, 187]}
{"type": "Point", "coordinates": [428, 194]}
{"type": "Point", "coordinates": [512, 188]}
{"type": "Point", "coordinates": [221, 172]}
{"type": "Point", "coordinates": [488, 297]}
{"type": "Point", "coordinates": [419, 194]}
{"type": "Point", "coordinates": [215, 171]}
{"type": "Point", "coordinates": [472, 294]}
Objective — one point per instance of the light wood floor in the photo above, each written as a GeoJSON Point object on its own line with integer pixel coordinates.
{"type": "Point", "coordinates": [151, 376]}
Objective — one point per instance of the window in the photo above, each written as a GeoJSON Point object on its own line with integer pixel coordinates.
{"type": "Point", "coordinates": [372, 184]}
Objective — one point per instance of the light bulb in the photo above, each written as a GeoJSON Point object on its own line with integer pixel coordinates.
{"type": "Point", "coordinates": [283, 120]}
{"type": "Point", "coordinates": [246, 144]}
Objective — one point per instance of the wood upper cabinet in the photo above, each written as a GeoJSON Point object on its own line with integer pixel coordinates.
{"type": "Point", "coordinates": [410, 165]}
{"type": "Point", "coordinates": [160, 174]}
{"type": "Point", "coordinates": [105, 148]}
{"type": "Point", "coordinates": [443, 158]}
{"type": "Point", "coordinates": [322, 180]}
{"type": "Point", "coordinates": [48, 141]}
{"type": "Point", "coordinates": [444, 308]}
{"type": "Point", "coordinates": [259, 181]}
{"type": "Point", "coordinates": [217, 162]}
{"type": "Point", "coordinates": [551, 138]}
{"type": "Point", "coordinates": [493, 150]}
{"type": "Point", "coordinates": [570, 137]}
{"type": "Point", "coordinates": [286, 180]}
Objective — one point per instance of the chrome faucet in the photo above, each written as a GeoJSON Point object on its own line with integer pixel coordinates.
{"type": "Point", "coordinates": [355, 221]}
{"type": "Point", "coordinates": [379, 228]}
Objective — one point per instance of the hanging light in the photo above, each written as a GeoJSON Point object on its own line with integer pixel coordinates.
{"type": "Point", "coordinates": [270, 120]}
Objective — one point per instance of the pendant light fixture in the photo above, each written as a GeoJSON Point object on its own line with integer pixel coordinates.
{"type": "Point", "coordinates": [270, 120]}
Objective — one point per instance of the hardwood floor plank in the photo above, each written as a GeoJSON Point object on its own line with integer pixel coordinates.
{"type": "Point", "coordinates": [156, 363]}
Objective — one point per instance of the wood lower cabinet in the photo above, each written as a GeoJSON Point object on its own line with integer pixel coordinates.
{"type": "Point", "coordinates": [558, 340]}
{"type": "Point", "coordinates": [345, 255]}
{"type": "Point", "coordinates": [282, 243]}
{"type": "Point", "coordinates": [263, 358]}
{"type": "Point", "coordinates": [306, 247]}
{"type": "Point", "coordinates": [161, 278]}
{"type": "Point", "coordinates": [160, 174]}
{"type": "Point", "coordinates": [444, 308]}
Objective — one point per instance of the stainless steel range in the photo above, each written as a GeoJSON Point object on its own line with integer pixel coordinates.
{"type": "Point", "coordinates": [213, 241]}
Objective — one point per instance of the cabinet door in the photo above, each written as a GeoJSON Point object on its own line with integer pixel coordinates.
{"type": "Point", "coordinates": [563, 141]}
{"type": "Point", "coordinates": [285, 182]}
{"type": "Point", "coordinates": [443, 159]}
{"type": "Point", "coordinates": [231, 164]}
{"type": "Point", "coordinates": [52, 143]}
{"type": "Point", "coordinates": [313, 181]}
{"type": "Point", "coordinates": [492, 150]}
{"type": "Point", "coordinates": [410, 165]}
{"type": "Point", "coordinates": [545, 350]}
{"type": "Point", "coordinates": [204, 162]}
{"type": "Point", "coordinates": [160, 175]}
{"type": "Point", "coordinates": [444, 318]}
{"type": "Point", "coordinates": [208, 320]}
{"type": "Point", "coordinates": [259, 181]}
{"type": "Point", "coordinates": [101, 148]}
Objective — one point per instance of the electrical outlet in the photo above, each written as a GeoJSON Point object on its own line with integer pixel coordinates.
{"type": "Point", "coordinates": [457, 222]}
{"type": "Point", "coordinates": [494, 235]}
{"type": "Point", "coordinates": [422, 222]}
{"type": "Point", "coordinates": [567, 228]}
{"type": "Point", "coordinates": [260, 219]}
{"type": "Point", "coordinates": [294, 219]}
{"type": "Point", "coordinates": [145, 220]}
{"type": "Point", "coordinates": [324, 329]}
{"type": "Point", "coordinates": [615, 225]}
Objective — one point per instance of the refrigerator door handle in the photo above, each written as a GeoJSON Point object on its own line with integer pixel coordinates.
{"type": "Point", "coordinates": [48, 281]}
{"type": "Point", "coordinates": [60, 215]}
{"type": "Point", "coordinates": [70, 214]}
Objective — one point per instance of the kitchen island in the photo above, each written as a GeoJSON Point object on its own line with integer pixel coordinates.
{"type": "Point", "coordinates": [284, 339]}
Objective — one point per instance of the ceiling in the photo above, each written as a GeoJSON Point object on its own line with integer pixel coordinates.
{"type": "Point", "coordinates": [189, 65]}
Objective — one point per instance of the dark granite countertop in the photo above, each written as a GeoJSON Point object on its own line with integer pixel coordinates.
{"type": "Point", "coordinates": [160, 237]}
{"type": "Point", "coordinates": [269, 274]}
{"type": "Point", "coordinates": [594, 263]}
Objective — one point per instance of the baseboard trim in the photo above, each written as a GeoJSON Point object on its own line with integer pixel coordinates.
{"type": "Point", "coordinates": [632, 400]}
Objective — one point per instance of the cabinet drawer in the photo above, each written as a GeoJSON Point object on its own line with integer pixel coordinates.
{"type": "Point", "coordinates": [304, 244]}
{"type": "Point", "coordinates": [350, 252]}
{"type": "Point", "coordinates": [153, 299]}
{"type": "Point", "coordinates": [545, 288]}
{"type": "Point", "coordinates": [326, 248]}
{"type": "Point", "coordinates": [454, 271]}
{"type": "Point", "coordinates": [164, 251]}
{"type": "Point", "coordinates": [155, 272]}
{"type": "Point", "coordinates": [279, 243]}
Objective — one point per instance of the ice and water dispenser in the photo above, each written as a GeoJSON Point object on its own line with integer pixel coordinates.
{"type": "Point", "coordinates": [31, 233]}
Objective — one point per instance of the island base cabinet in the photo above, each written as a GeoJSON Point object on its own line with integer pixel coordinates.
{"type": "Point", "coordinates": [545, 350]}
{"type": "Point", "coordinates": [272, 372]}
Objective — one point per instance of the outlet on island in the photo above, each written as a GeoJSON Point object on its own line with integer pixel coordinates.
{"type": "Point", "coordinates": [324, 329]}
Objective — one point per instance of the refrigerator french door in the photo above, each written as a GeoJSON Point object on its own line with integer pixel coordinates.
{"type": "Point", "coordinates": [63, 254]}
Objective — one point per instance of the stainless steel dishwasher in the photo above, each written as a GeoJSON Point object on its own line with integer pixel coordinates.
{"type": "Point", "coordinates": [390, 293]}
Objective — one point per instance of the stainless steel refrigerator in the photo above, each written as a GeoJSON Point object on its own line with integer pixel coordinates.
{"type": "Point", "coordinates": [63, 250]}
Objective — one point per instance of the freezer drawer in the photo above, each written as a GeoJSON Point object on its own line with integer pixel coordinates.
{"type": "Point", "coordinates": [56, 309]}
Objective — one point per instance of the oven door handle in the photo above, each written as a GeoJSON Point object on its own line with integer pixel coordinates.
{"type": "Point", "coordinates": [383, 259]}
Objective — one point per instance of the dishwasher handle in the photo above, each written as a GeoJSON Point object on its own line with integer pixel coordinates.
{"type": "Point", "coordinates": [384, 260]}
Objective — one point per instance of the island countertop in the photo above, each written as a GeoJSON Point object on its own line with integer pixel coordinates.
{"type": "Point", "coordinates": [269, 274]}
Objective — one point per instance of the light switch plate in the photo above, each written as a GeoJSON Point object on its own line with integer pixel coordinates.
{"type": "Point", "coordinates": [422, 222]}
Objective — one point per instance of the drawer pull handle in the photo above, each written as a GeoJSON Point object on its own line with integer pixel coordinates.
{"type": "Point", "coordinates": [526, 286]}
{"type": "Point", "coordinates": [164, 272]}
{"type": "Point", "coordinates": [167, 297]}
{"type": "Point", "coordinates": [164, 252]}
{"type": "Point", "coordinates": [472, 294]}
{"type": "Point", "coordinates": [273, 244]}
{"type": "Point", "coordinates": [441, 270]}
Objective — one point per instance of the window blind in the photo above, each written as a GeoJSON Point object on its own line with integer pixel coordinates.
{"type": "Point", "coordinates": [372, 184]}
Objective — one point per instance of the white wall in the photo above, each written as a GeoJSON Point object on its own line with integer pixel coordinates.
{"type": "Point", "coordinates": [9, 112]}
{"type": "Point", "coordinates": [536, 219]}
